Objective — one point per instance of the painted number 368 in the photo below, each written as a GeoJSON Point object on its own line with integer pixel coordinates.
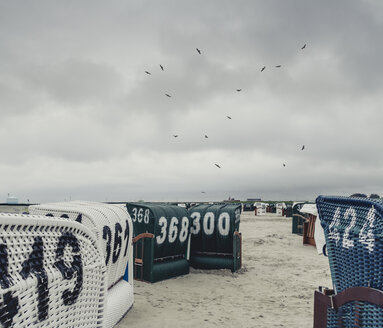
{"type": "Point", "coordinates": [139, 215]}
{"type": "Point", "coordinates": [173, 230]}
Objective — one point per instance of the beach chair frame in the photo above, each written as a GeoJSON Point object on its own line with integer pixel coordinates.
{"type": "Point", "coordinates": [309, 229]}
{"type": "Point", "coordinates": [325, 299]}
{"type": "Point", "coordinates": [141, 243]}
{"type": "Point", "coordinates": [353, 230]}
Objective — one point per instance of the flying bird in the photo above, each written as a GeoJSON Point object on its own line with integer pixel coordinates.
{"type": "Point", "coordinates": [162, 67]}
{"type": "Point", "coordinates": [304, 46]}
{"type": "Point", "coordinates": [278, 66]}
{"type": "Point", "coordinates": [202, 192]}
{"type": "Point", "coordinates": [206, 136]}
{"type": "Point", "coordinates": [303, 147]}
{"type": "Point", "coordinates": [148, 73]}
{"type": "Point", "coordinates": [167, 95]}
{"type": "Point", "coordinates": [263, 68]}
{"type": "Point", "coordinates": [217, 166]}
{"type": "Point", "coordinates": [228, 117]}
{"type": "Point", "coordinates": [284, 164]}
{"type": "Point", "coordinates": [175, 135]}
{"type": "Point", "coordinates": [238, 90]}
{"type": "Point", "coordinates": [199, 51]}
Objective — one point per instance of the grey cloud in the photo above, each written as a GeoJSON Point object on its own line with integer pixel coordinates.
{"type": "Point", "coordinates": [76, 82]}
{"type": "Point", "coordinates": [73, 87]}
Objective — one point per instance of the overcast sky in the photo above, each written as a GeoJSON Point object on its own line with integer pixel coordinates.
{"type": "Point", "coordinates": [80, 118]}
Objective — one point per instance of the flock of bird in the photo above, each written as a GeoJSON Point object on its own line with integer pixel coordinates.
{"type": "Point", "coordinates": [238, 90]}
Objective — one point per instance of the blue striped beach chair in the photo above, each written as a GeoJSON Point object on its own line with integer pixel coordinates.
{"type": "Point", "coordinates": [353, 230]}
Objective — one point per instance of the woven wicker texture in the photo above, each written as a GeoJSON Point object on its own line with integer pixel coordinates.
{"type": "Point", "coordinates": [353, 230]}
{"type": "Point", "coordinates": [118, 302]}
{"type": "Point", "coordinates": [123, 216]}
{"type": "Point", "coordinates": [51, 273]}
{"type": "Point", "coordinates": [110, 223]}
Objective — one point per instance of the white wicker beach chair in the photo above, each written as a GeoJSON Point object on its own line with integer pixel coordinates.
{"type": "Point", "coordinates": [52, 273]}
{"type": "Point", "coordinates": [113, 228]}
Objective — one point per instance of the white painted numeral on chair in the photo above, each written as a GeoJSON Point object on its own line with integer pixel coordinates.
{"type": "Point", "coordinates": [140, 215]}
{"type": "Point", "coordinates": [333, 228]}
{"type": "Point", "coordinates": [173, 230]}
{"type": "Point", "coordinates": [134, 211]}
{"type": "Point", "coordinates": [347, 242]}
{"type": "Point", "coordinates": [368, 238]}
{"type": "Point", "coordinates": [208, 223]}
{"type": "Point", "coordinates": [196, 227]}
{"type": "Point", "coordinates": [224, 224]}
{"type": "Point", "coordinates": [146, 216]}
{"type": "Point", "coordinates": [184, 229]}
{"type": "Point", "coordinates": [162, 222]}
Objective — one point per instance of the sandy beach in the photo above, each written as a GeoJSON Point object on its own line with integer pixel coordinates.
{"type": "Point", "coordinates": [274, 288]}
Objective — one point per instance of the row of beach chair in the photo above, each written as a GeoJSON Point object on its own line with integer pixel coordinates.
{"type": "Point", "coordinates": [72, 264]}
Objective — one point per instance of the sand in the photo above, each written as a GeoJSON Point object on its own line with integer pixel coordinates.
{"type": "Point", "coordinates": [274, 288]}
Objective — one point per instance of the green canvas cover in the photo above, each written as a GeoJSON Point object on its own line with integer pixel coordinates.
{"type": "Point", "coordinates": [142, 218]}
{"type": "Point", "coordinates": [213, 226]}
{"type": "Point", "coordinates": [169, 224]}
{"type": "Point", "coordinates": [164, 256]}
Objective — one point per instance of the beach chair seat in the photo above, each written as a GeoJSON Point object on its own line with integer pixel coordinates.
{"type": "Point", "coordinates": [353, 229]}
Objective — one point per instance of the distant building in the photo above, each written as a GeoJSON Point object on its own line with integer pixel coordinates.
{"type": "Point", "coordinates": [12, 200]}
{"type": "Point", "coordinates": [254, 199]}
{"type": "Point", "coordinates": [231, 200]}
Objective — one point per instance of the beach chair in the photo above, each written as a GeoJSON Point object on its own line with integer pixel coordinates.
{"type": "Point", "coordinates": [353, 230]}
{"type": "Point", "coordinates": [298, 218]}
{"type": "Point", "coordinates": [52, 273]}
{"type": "Point", "coordinates": [161, 240]}
{"type": "Point", "coordinates": [113, 229]}
{"type": "Point", "coordinates": [216, 242]}
{"type": "Point", "coordinates": [309, 212]}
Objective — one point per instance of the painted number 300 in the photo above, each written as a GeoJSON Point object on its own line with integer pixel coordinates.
{"type": "Point", "coordinates": [208, 223]}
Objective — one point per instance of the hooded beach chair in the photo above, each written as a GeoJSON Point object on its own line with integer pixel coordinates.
{"type": "Point", "coordinates": [112, 227]}
{"type": "Point", "coordinates": [52, 273]}
{"type": "Point", "coordinates": [353, 229]}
